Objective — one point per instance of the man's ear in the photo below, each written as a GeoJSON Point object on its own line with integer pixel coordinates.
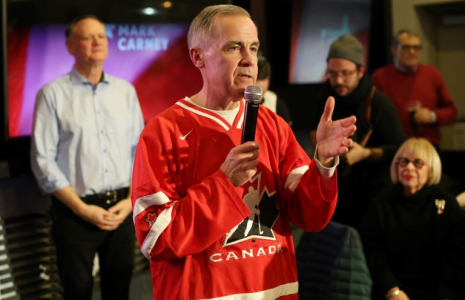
{"type": "Point", "coordinates": [197, 57]}
{"type": "Point", "coordinates": [361, 72]}
{"type": "Point", "coordinates": [394, 52]}
{"type": "Point", "coordinates": [69, 46]}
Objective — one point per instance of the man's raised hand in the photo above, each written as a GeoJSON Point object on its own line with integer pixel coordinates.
{"type": "Point", "coordinates": [333, 137]}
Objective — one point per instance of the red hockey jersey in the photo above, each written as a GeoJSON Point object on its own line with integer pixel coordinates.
{"type": "Point", "coordinates": [206, 239]}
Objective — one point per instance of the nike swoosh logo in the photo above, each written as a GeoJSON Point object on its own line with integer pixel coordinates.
{"type": "Point", "coordinates": [184, 137]}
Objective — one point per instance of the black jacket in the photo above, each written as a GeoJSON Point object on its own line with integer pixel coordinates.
{"type": "Point", "coordinates": [360, 183]}
{"type": "Point", "coordinates": [410, 243]}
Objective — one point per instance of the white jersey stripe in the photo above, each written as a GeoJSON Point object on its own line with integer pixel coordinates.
{"type": "Point", "coordinates": [143, 202]}
{"type": "Point", "coordinates": [282, 290]}
{"type": "Point", "coordinates": [195, 111]}
{"type": "Point", "coordinates": [163, 220]}
{"type": "Point", "coordinates": [293, 178]}
{"type": "Point", "coordinates": [241, 120]}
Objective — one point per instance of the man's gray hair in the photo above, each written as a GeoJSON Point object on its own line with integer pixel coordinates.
{"type": "Point", "coordinates": [70, 28]}
{"type": "Point", "coordinates": [395, 39]}
{"type": "Point", "coordinates": [201, 27]}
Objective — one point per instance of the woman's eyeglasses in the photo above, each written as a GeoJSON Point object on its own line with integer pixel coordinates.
{"type": "Point", "coordinates": [403, 162]}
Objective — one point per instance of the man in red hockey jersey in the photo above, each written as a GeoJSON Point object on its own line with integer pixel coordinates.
{"type": "Point", "coordinates": [212, 215]}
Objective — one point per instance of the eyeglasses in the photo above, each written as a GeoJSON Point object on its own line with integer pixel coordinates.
{"type": "Point", "coordinates": [403, 162]}
{"type": "Point", "coordinates": [343, 74]}
{"type": "Point", "coordinates": [416, 48]}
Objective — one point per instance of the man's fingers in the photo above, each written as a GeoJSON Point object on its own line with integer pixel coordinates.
{"type": "Point", "coordinates": [114, 209]}
{"type": "Point", "coordinates": [108, 227]}
{"type": "Point", "coordinates": [247, 147]}
{"type": "Point", "coordinates": [329, 108]}
{"type": "Point", "coordinates": [347, 143]}
{"type": "Point", "coordinates": [251, 172]}
{"type": "Point", "coordinates": [337, 151]}
{"type": "Point", "coordinates": [241, 162]}
{"type": "Point", "coordinates": [249, 164]}
{"type": "Point", "coordinates": [111, 222]}
{"type": "Point", "coordinates": [254, 155]}
{"type": "Point", "coordinates": [341, 150]}
{"type": "Point", "coordinates": [248, 152]}
{"type": "Point", "coordinates": [349, 121]}
{"type": "Point", "coordinates": [348, 131]}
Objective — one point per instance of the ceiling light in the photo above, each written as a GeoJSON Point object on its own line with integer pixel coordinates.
{"type": "Point", "coordinates": [149, 11]}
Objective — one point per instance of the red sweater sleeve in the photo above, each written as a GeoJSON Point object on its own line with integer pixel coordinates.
{"type": "Point", "coordinates": [446, 112]}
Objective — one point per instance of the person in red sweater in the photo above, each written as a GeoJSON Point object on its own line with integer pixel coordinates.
{"type": "Point", "coordinates": [417, 91]}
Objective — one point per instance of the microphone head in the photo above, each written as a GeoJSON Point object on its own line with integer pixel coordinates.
{"type": "Point", "coordinates": [253, 93]}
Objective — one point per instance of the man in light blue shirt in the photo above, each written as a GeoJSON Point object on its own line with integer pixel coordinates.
{"type": "Point", "coordinates": [86, 127]}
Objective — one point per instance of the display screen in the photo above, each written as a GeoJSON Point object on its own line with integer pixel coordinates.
{"type": "Point", "coordinates": [153, 57]}
{"type": "Point", "coordinates": [316, 25]}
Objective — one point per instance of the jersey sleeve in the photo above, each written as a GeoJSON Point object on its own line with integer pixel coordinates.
{"type": "Point", "coordinates": [167, 225]}
{"type": "Point", "coordinates": [307, 205]}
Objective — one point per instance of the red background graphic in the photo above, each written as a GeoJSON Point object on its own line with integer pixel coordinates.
{"type": "Point", "coordinates": [162, 82]}
{"type": "Point", "coordinates": [18, 41]}
{"type": "Point", "coordinates": [170, 78]}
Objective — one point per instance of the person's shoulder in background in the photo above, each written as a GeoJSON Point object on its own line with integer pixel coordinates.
{"type": "Point", "coordinates": [283, 111]}
{"type": "Point", "coordinates": [379, 74]}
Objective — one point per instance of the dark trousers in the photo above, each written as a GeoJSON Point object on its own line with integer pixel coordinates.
{"type": "Point", "coordinates": [77, 241]}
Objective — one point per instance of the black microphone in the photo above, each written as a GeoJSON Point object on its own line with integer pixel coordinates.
{"type": "Point", "coordinates": [252, 96]}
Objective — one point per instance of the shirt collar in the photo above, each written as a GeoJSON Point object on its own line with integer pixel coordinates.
{"type": "Point", "coordinates": [403, 69]}
{"type": "Point", "coordinates": [78, 78]}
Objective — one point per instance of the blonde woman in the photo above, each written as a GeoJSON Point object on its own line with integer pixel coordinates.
{"type": "Point", "coordinates": [411, 235]}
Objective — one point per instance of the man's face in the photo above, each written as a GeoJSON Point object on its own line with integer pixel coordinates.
{"type": "Point", "coordinates": [88, 42]}
{"type": "Point", "coordinates": [230, 60]}
{"type": "Point", "coordinates": [343, 75]}
{"type": "Point", "coordinates": [407, 53]}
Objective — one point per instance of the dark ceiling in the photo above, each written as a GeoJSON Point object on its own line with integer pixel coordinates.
{"type": "Point", "coordinates": [446, 9]}
{"type": "Point", "coordinates": [117, 11]}
{"type": "Point", "coordinates": [447, 14]}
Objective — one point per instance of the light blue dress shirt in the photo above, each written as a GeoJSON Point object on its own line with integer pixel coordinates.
{"type": "Point", "coordinates": [85, 136]}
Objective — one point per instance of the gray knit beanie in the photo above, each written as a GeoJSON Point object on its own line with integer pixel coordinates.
{"type": "Point", "coordinates": [347, 47]}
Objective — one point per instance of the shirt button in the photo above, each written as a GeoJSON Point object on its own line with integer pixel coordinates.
{"type": "Point", "coordinates": [106, 171]}
{"type": "Point", "coordinates": [101, 131]}
{"type": "Point", "coordinates": [105, 151]}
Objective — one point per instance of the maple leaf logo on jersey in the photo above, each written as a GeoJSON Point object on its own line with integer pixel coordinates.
{"type": "Point", "coordinates": [263, 215]}
{"type": "Point", "coordinates": [150, 218]}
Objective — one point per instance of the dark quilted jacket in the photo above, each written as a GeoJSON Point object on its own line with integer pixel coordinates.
{"type": "Point", "coordinates": [331, 265]}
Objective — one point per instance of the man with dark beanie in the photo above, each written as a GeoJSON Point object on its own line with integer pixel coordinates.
{"type": "Point", "coordinates": [364, 169]}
